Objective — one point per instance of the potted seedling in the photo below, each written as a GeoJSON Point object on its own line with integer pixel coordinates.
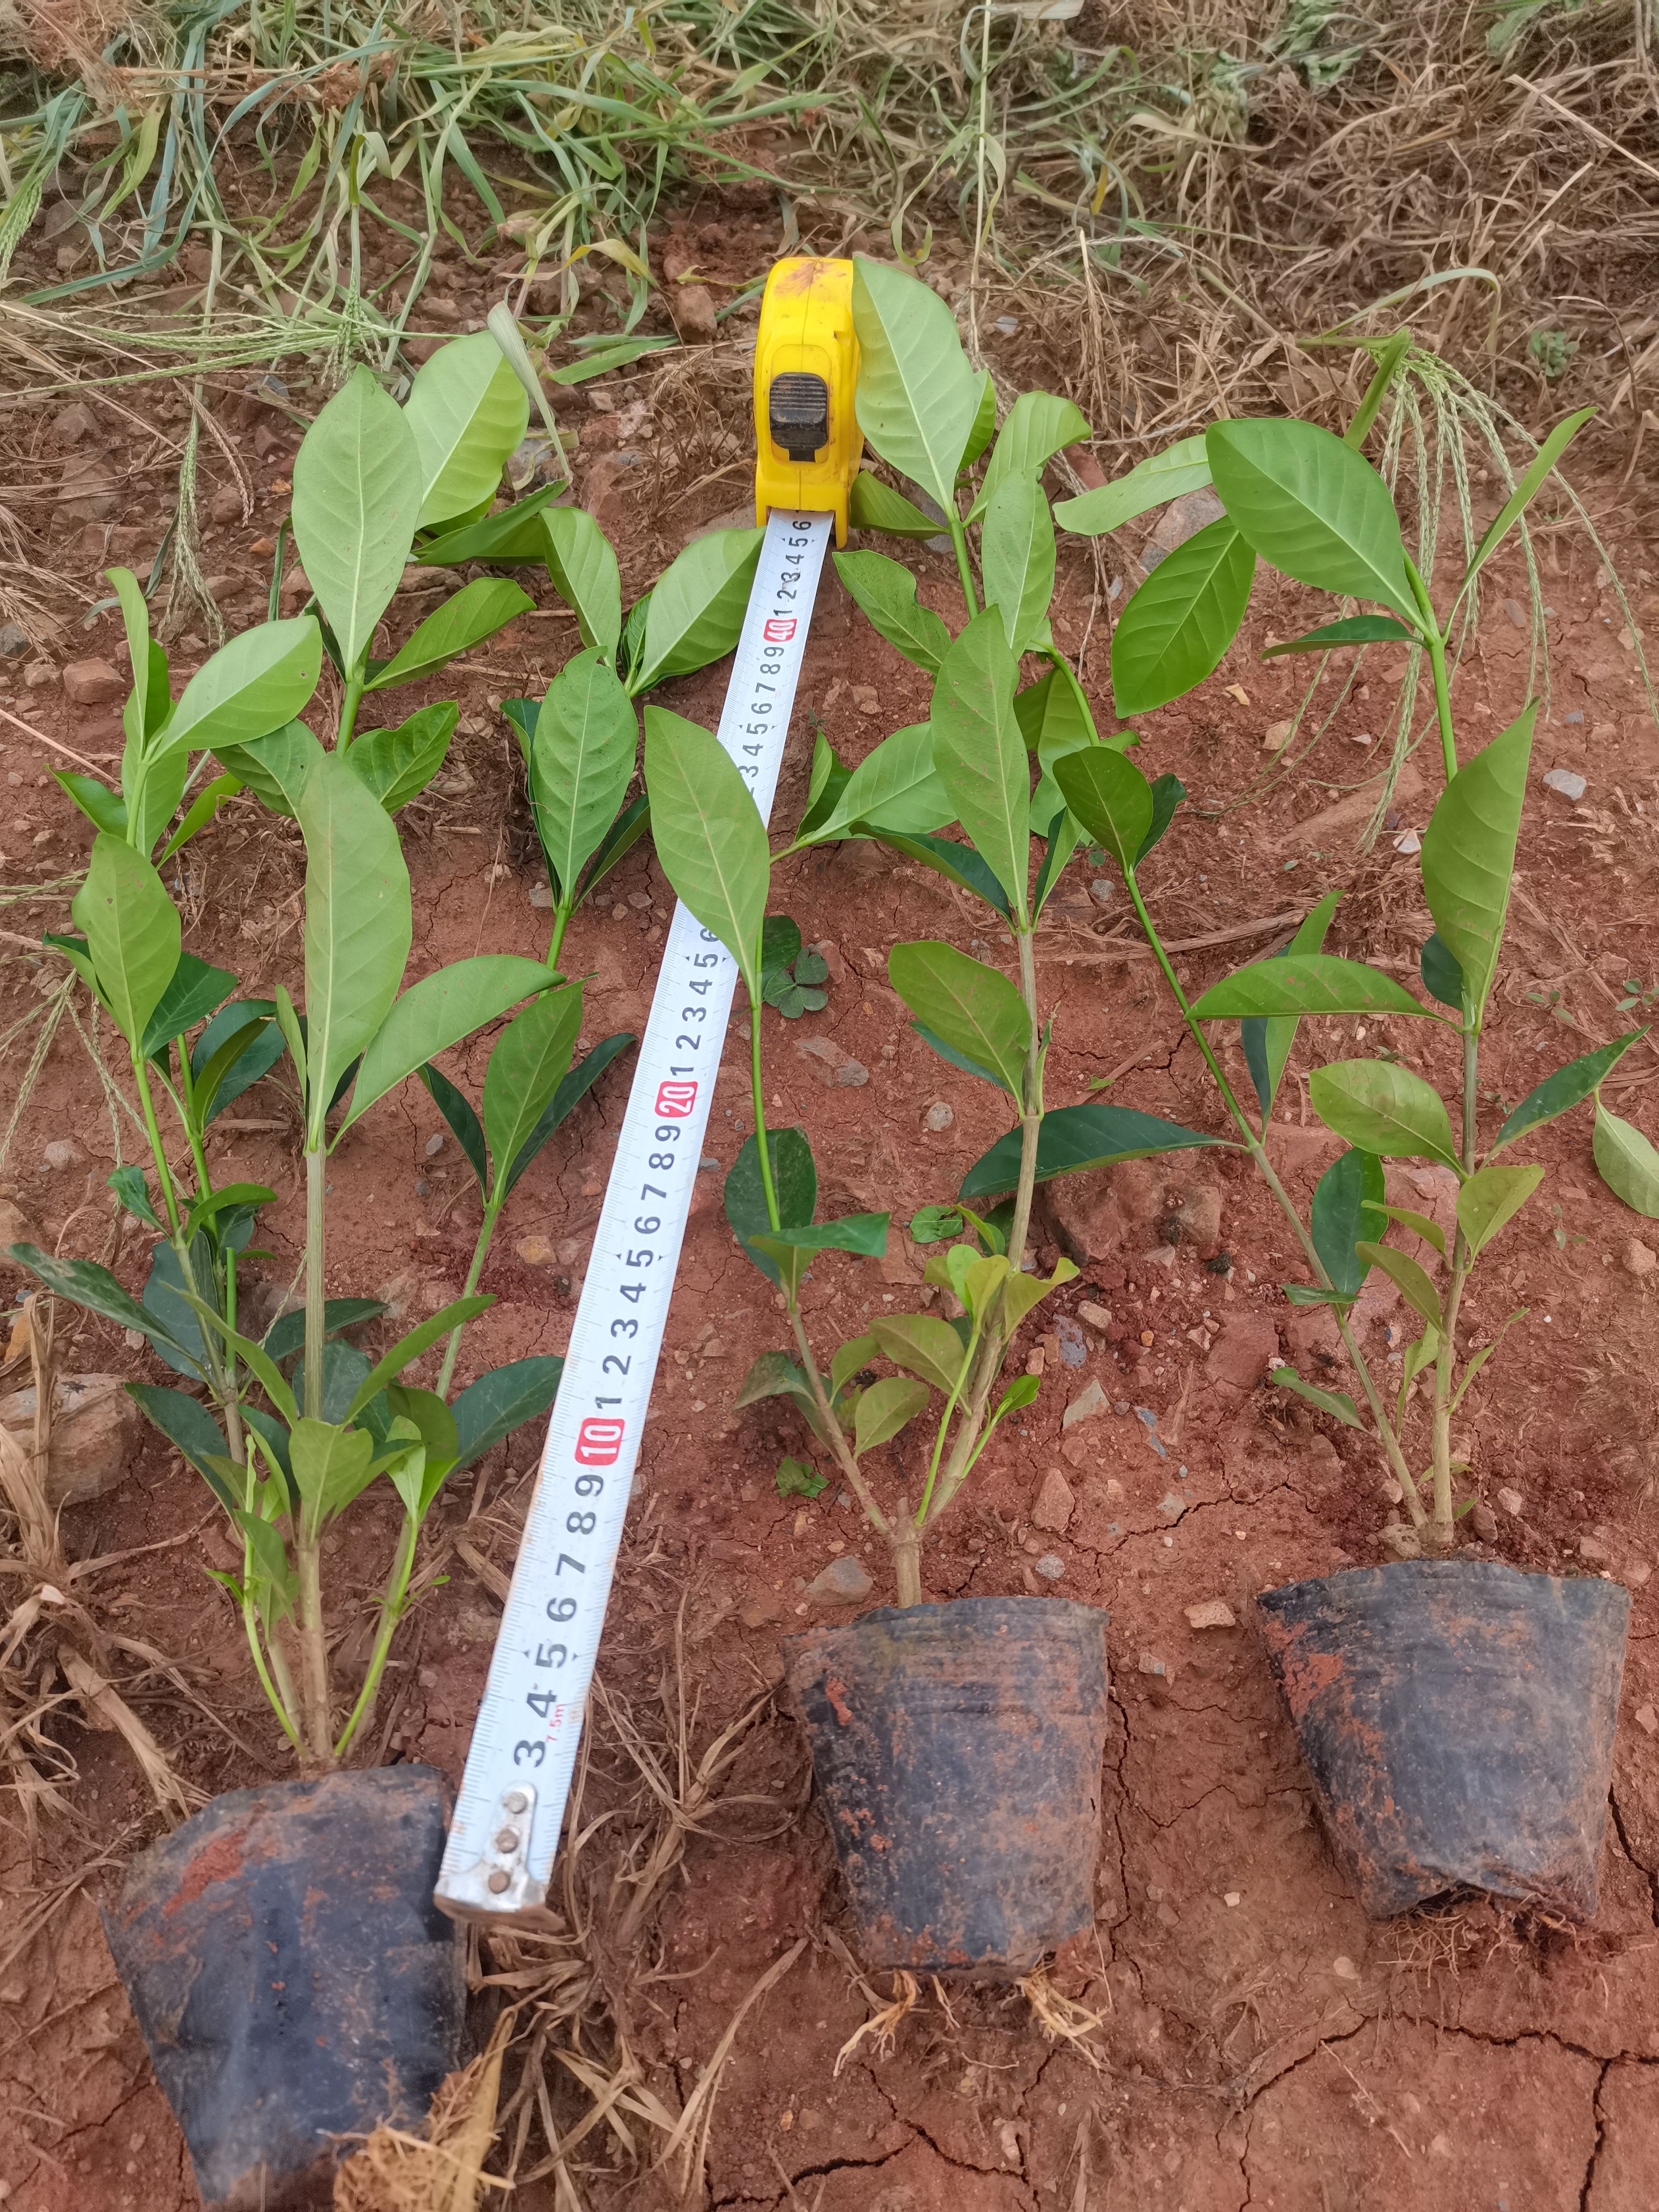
{"type": "Point", "coordinates": [956, 1746]}
{"type": "Point", "coordinates": [281, 1949]}
{"type": "Point", "coordinates": [1457, 1715]}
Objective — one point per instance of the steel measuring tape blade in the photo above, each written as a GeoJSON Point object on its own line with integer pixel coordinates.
{"type": "Point", "coordinates": [504, 1833]}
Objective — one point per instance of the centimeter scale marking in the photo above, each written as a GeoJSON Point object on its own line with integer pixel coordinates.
{"type": "Point", "coordinates": [506, 1830]}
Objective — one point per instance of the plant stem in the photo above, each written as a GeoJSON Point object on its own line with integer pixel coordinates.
{"type": "Point", "coordinates": [492, 1214]}
{"type": "Point", "coordinates": [392, 1612]}
{"type": "Point", "coordinates": [314, 1643]}
{"type": "Point", "coordinates": [349, 706]}
{"type": "Point", "coordinates": [964, 567]}
{"type": "Point", "coordinates": [1436, 645]}
{"type": "Point", "coordinates": [163, 1173]}
{"type": "Point", "coordinates": [839, 1445]}
{"type": "Point", "coordinates": [1257, 1150]}
{"type": "Point", "coordinates": [316, 1168]}
{"type": "Point", "coordinates": [561, 922]}
{"type": "Point", "coordinates": [250, 1623]}
{"type": "Point", "coordinates": [757, 1099]}
{"type": "Point", "coordinates": [1445, 1370]}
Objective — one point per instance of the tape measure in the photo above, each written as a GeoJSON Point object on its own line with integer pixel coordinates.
{"type": "Point", "coordinates": [504, 1833]}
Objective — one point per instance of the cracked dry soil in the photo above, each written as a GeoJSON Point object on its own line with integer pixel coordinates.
{"type": "Point", "coordinates": [1259, 2043]}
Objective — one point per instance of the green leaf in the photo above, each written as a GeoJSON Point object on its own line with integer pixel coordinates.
{"type": "Point", "coordinates": [1468, 854]}
{"type": "Point", "coordinates": [979, 751]}
{"type": "Point", "coordinates": [1267, 1044]}
{"type": "Point", "coordinates": [287, 1333]}
{"type": "Point", "coordinates": [465, 1125]}
{"type": "Point", "coordinates": [887, 593]}
{"type": "Point", "coordinates": [1568, 1087]}
{"type": "Point", "coordinates": [166, 1299]}
{"type": "Point", "coordinates": [1337, 1403]}
{"type": "Point", "coordinates": [1304, 983]}
{"type": "Point", "coordinates": [234, 1196]}
{"type": "Point", "coordinates": [697, 605]}
{"type": "Point", "coordinates": [357, 490]}
{"type": "Point", "coordinates": [1175, 628]}
{"type": "Point", "coordinates": [1408, 1218]}
{"type": "Point", "coordinates": [581, 761]}
{"type": "Point", "coordinates": [935, 1225]}
{"type": "Point", "coordinates": [205, 804]}
{"type": "Point", "coordinates": [330, 1466]}
{"type": "Point", "coordinates": [1168, 792]}
{"type": "Point", "coordinates": [132, 932]}
{"type": "Point", "coordinates": [1443, 978]}
{"type": "Point", "coordinates": [794, 1479]}
{"type": "Point", "coordinates": [884, 1409]}
{"type": "Point", "coordinates": [1492, 1197]}
{"type": "Point", "coordinates": [130, 1187]}
{"type": "Point", "coordinates": [468, 412]}
{"type": "Point", "coordinates": [773, 1375]}
{"type": "Point", "coordinates": [187, 1424]}
{"type": "Point", "coordinates": [1337, 1220]}
{"type": "Point", "coordinates": [477, 612]}
{"type": "Point", "coordinates": [258, 681]}
{"type": "Point", "coordinates": [1418, 1357]}
{"type": "Point", "coordinates": [358, 927]}
{"type": "Point", "coordinates": [398, 765]}
{"type": "Point", "coordinates": [437, 1013]}
{"type": "Point", "coordinates": [1414, 1286]}
{"type": "Point", "coordinates": [1628, 1163]}
{"type": "Point", "coordinates": [409, 1348]}
{"type": "Point", "coordinates": [83, 1283]}
{"type": "Point", "coordinates": [872, 505]}
{"type": "Point", "coordinates": [857, 1352]}
{"type": "Point", "coordinates": [193, 991]}
{"type": "Point", "coordinates": [104, 808]}
{"type": "Point", "coordinates": [710, 837]}
{"type": "Point", "coordinates": [1179, 469]}
{"type": "Point", "coordinates": [795, 1185]}
{"type": "Point", "coordinates": [608, 356]}
{"type": "Point", "coordinates": [269, 1561]}
{"type": "Point", "coordinates": [1054, 719]}
{"type": "Point", "coordinates": [1521, 497]}
{"type": "Point", "coordinates": [973, 1007]}
{"type": "Point", "coordinates": [1020, 1293]}
{"type": "Point", "coordinates": [573, 1088]}
{"type": "Point", "coordinates": [584, 571]}
{"type": "Point", "coordinates": [1017, 561]}
{"type": "Point", "coordinates": [793, 1251]}
{"type": "Point", "coordinates": [1357, 630]}
{"type": "Point", "coordinates": [1039, 425]}
{"type": "Point", "coordinates": [1110, 798]}
{"type": "Point", "coordinates": [502, 1400]}
{"type": "Point", "coordinates": [918, 400]}
{"type": "Point", "coordinates": [277, 767]}
{"type": "Point", "coordinates": [895, 788]}
{"type": "Point", "coordinates": [923, 1345]}
{"type": "Point", "coordinates": [1074, 1138]}
{"type": "Point", "coordinates": [960, 864]}
{"type": "Point", "coordinates": [1313, 508]}
{"type": "Point", "coordinates": [240, 1044]}
{"type": "Point", "coordinates": [529, 1062]}
{"type": "Point", "coordinates": [1385, 1109]}
{"type": "Point", "coordinates": [985, 425]}
{"type": "Point", "coordinates": [137, 716]}
{"type": "Point", "coordinates": [514, 539]}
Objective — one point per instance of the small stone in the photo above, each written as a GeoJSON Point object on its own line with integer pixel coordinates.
{"type": "Point", "coordinates": [1241, 1355]}
{"type": "Point", "coordinates": [834, 1067]}
{"type": "Point", "coordinates": [1647, 1720]}
{"type": "Point", "coordinates": [1035, 1360]}
{"type": "Point", "coordinates": [535, 1251]}
{"type": "Point", "coordinates": [1571, 785]}
{"type": "Point", "coordinates": [226, 506]}
{"type": "Point", "coordinates": [61, 1153]}
{"type": "Point", "coordinates": [91, 683]}
{"type": "Point", "coordinates": [1344, 1969]}
{"type": "Point", "coordinates": [1096, 1316]}
{"type": "Point", "coordinates": [13, 641]}
{"type": "Point", "coordinates": [1103, 891]}
{"type": "Point", "coordinates": [843, 1581]}
{"type": "Point", "coordinates": [97, 1432]}
{"type": "Point", "coordinates": [434, 1144]}
{"type": "Point", "coordinates": [866, 699]}
{"type": "Point", "coordinates": [1512, 1502]}
{"type": "Point", "coordinates": [1401, 1540]}
{"type": "Point", "coordinates": [426, 1678]}
{"type": "Point", "coordinates": [1516, 614]}
{"type": "Point", "coordinates": [1198, 1217]}
{"type": "Point", "coordinates": [541, 894]}
{"type": "Point", "coordinates": [1277, 736]}
{"type": "Point", "coordinates": [1483, 1520]}
{"type": "Point", "coordinates": [692, 306]}
{"type": "Point", "coordinates": [939, 1115]}
{"type": "Point", "coordinates": [1053, 1505]}
{"type": "Point", "coordinates": [1171, 1506]}
{"type": "Point", "coordinates": [1231, 1897]}
{"type": "Point", "coordinates": [1591, 1548]}
{"type": "Point", "coordinates": [1147, 1338]}
{"type": "Point", "coordinates": [1089, 1400]}
{"type": "Point", "coordinates": [1150, 1663]}
{"type": "Point", "coordinates": [1639, 1259]}
{"type": "Point", "coordinates": [1213, 1613]}
{"type": "Point", "coordinates": [1050, 1566]}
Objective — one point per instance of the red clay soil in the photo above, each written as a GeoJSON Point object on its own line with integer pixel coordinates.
{"type": "Point", "coordinates": [1258, 2042]}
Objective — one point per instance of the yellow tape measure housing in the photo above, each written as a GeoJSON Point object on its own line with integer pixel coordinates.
{"type": "Point", "coordinates": [806, 363]}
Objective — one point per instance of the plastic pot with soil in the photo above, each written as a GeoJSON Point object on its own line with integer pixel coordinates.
{"type": "Point", "coordinates": [1457, 1718]}
{"type": "Point", "coordinates": [293, 1980]}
